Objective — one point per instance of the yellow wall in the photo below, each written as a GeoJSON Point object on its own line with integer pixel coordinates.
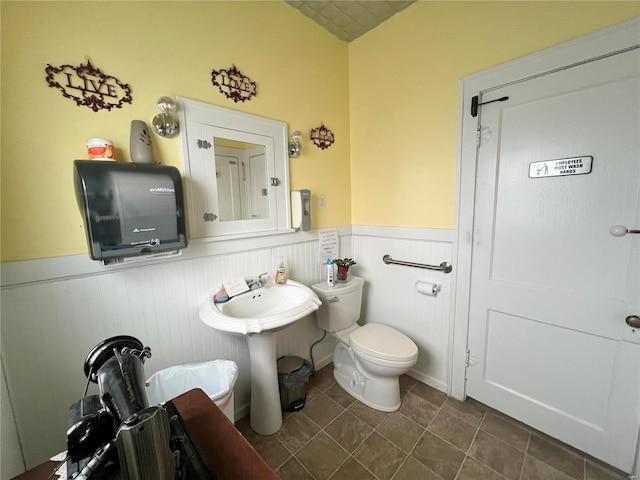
{"type": "Point", "coordinates": [404, 79]}
{"type": "Point", "coordinates": [158, 48]}
{"type": "Point", "coordinates": [390, 97]}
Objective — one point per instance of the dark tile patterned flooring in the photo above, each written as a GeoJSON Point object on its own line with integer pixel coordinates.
{"type": "Point", "coordinates": [431, 437]}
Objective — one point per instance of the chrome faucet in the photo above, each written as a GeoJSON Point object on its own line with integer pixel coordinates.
{"type": "Point", "coordinates": [255, 283]}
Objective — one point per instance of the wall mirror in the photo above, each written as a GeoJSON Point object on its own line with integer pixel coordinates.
{"type": "Point", "coordinates": [236, 172]}
{"type": "Point", "coordinates": [241, 179]}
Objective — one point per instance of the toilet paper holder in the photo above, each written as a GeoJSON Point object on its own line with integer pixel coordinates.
{"type": "Point", "coordinates": [428, 288]}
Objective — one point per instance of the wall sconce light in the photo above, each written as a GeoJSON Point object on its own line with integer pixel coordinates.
{"type": "Point", "coordinates": [165, 124]}
{"type": "Point", "coordinates": [295, 146]}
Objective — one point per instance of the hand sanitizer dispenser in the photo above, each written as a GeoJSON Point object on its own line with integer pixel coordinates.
{"type": "Point", "coordinates": [301, 210]}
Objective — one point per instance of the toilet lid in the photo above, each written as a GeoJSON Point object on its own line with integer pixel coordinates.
{"type": "Point", "coordinates": [383, 342]}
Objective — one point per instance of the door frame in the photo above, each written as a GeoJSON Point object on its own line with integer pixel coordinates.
{"type": "Point", "coordinates": [583, 49]}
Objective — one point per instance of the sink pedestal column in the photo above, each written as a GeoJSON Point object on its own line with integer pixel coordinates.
{"type": "Point", "coordinates": [266, 412]}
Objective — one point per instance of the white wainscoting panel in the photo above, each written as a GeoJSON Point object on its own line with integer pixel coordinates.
{"type": "Point", "coordinates": [54, 312]}
{"type": "Point", "coordinates": [11, 461]}
{"type": "Point", "coordinates": [391, 297]}
{"type": "Point", "coordinates": [48, 327]}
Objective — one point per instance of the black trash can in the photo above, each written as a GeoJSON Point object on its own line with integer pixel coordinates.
{"type": "Point", "coordinates": [293, 373]}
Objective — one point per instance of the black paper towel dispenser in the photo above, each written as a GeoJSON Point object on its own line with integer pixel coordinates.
{"type": "Point", "coordinates": [130, 209]}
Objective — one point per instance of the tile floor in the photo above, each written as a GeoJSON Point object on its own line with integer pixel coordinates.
{"type": "Point", "coordinates": [431, 437]}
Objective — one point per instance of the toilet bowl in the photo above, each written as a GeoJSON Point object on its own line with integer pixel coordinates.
{"type": "Point", "coordinates": [368, 360]}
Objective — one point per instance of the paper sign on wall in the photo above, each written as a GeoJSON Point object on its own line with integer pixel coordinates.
{"type": "Point", "coordinates": [328, 245]}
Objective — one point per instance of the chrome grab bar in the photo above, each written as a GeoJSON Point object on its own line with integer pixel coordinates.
{"type": "Point", "coordinates": [444, 266]}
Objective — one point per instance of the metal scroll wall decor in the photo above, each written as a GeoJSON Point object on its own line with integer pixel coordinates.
{"type": "Point", "coordinates": [233, 84]}
{"type": "Point", "coordinates": [322, 137]}
{"type": "Point", "coordinates": [88, 86]}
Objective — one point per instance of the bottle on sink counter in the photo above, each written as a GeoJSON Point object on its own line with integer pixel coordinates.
{"type": "Point", "coordinates": [281, 273]}
{"type": "Point", "coordinates": [330, 273]}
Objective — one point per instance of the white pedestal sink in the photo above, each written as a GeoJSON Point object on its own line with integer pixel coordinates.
{"type": "Point", "coordinates": [258, 314]}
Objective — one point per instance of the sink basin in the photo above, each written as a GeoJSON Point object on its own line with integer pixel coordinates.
{"type": "Point", "coordinates": [268, 308]}
{"type": "Point", "coordinates": [257, 315]}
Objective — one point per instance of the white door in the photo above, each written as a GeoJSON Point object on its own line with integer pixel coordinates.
{"type": "Point", "coordinates": [229, 189]}
{"type": "Point", "coordinates": [550, 287]}
{"type": "Point", "coordinates": [258, 187]}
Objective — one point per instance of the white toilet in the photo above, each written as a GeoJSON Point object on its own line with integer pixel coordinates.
{"type": "Point", "coordinates": [368, 360]}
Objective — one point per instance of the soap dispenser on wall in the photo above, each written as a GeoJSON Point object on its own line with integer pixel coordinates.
{"type": "Point", "coordinates": [301, 210]}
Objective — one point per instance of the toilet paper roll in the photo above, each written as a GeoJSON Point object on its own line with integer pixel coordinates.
{"type": "Point", "coordinates": [428, 288]}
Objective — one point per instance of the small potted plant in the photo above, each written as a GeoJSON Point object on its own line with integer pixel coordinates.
{"type": "Point", "coordinates": [343, 265]}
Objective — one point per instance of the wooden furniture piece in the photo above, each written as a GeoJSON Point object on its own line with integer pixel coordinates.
{"type": "Point", "coordinates": [229, 454]}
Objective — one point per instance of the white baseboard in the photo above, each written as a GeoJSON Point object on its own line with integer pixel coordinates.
{"type": "Point", "coordinates": [426, 379]}
{"type": "Point", "coordinates": [323, 362]}
{"type": "Point", "coordinates": [242, 411]}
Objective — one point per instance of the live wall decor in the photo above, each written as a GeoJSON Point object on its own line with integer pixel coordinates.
{"type": "Point", "coordinates": [322, 137]}
{"type": "Point", "coordinates": [88, 86]}
{"type": "Point", "coordinates": [233, 84]}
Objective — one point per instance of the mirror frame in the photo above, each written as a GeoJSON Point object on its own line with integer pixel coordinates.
{"type": "Point", "coordinates": [197, 117]}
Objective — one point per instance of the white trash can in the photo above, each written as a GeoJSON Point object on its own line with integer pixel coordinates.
{"type": "Point", "coordinates": [216, 378]}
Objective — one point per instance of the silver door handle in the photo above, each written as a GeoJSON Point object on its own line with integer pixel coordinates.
{"type": "Point", "coordinates": [633, 321]}
{"type": "Point", "coordinates": [621, 231]}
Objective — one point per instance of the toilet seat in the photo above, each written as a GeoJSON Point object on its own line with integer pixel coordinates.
{"type": "Point", "coordinates": [382, 342]}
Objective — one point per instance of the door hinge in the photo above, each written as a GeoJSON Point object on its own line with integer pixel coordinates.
{"type": "Point", "coordinates": [483, 135]}
{"type": "Point", "coordinates": [470, 360]}
{"type": "Point", "coordinates": [275, 181]}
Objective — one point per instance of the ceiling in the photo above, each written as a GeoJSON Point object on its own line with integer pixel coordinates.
{"type": "Point", "coordinates": [349, 19]}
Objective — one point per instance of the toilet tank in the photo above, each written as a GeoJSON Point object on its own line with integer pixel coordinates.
{"type": "Point", "coordinates": [341, 304]}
